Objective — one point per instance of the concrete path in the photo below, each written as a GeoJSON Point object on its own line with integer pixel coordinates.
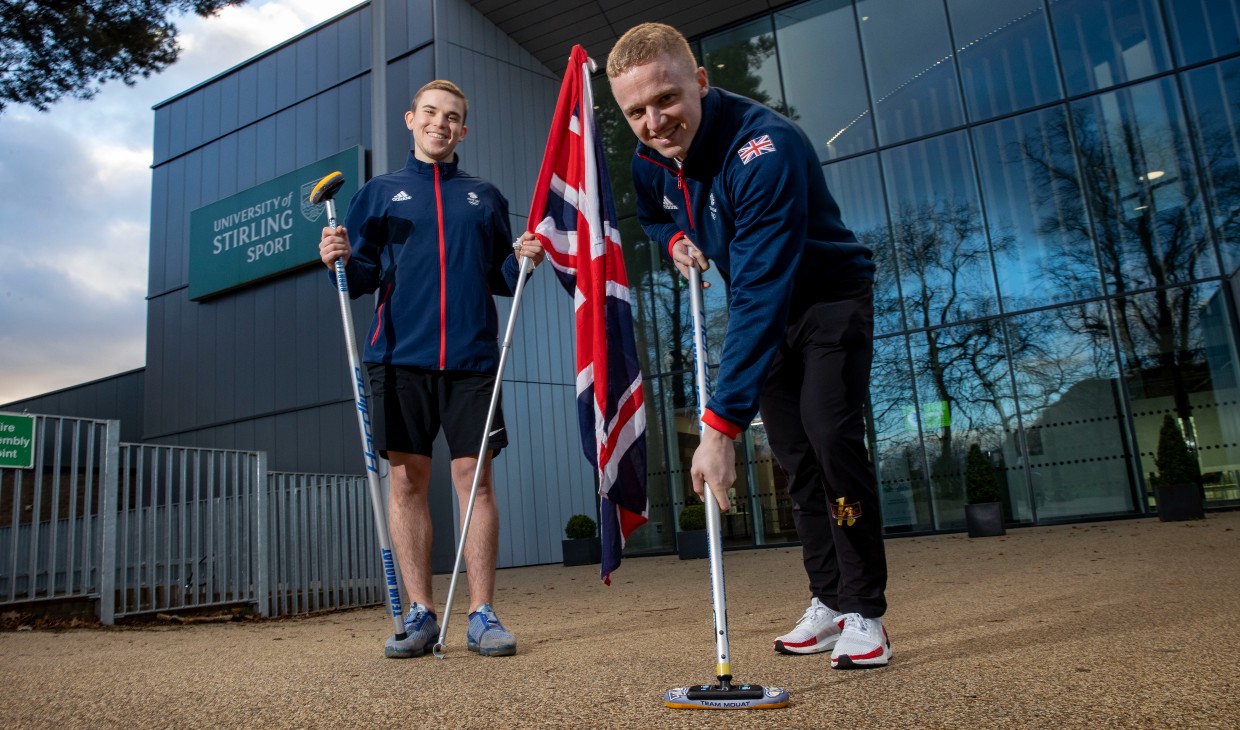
{"type": "Point", "coordinates": [1130, 624]}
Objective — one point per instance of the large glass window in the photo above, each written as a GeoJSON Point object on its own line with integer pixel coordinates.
{"type": "Point", "coordinates": [1005, 55]}
{"type": "Point", "coordinates": [937, 232]}
{"type": "Point", "coordinates": [1214, 101]}
{"type": "Point", "coordinates": [909, 59]}
{"type": "Point", "coordinates": [895, 424]}
{"type": "Point", "coordinates": [1139, 184]}
{"type": "Point", "coordinates": [743, 61]}
{"type": "Point", "coordinates": [857, 187]}
{"type": "Point", "coordinates": [1039, 230]}
{"type": "Point", "coordinates": [964, 397]}
{"type": "Point", "coordinates": [1204, 29]}
{"type": "Point", "coordinates": [1074, 443]}
{"type": "Point", "coordinates": [1178, 357]}
{"type": "Point", "coordinates": [831, 107]}
{"type": "Point", "coordinates": [1107, 42]}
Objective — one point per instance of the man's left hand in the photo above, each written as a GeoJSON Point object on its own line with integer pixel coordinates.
{"type": "Point", "coordinates": [530, 247]}
{"type": "Point", "coordinates": [714, 464]}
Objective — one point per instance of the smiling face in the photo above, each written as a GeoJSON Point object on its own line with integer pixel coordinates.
{"type": "Point", "coordinates": [662, 102]}
{"type": "Point", "coordinates": [437, 122]}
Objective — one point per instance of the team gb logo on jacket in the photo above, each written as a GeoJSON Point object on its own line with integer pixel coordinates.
{"type": "Point", "coordinates": [755, 148]}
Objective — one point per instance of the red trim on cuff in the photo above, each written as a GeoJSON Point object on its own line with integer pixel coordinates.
{"type": "Point", "coordinates": [727, 428]}
{"type": "Point", "coordinates": [679, 235]}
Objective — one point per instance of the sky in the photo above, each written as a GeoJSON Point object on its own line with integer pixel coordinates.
{"type": "Point", "coordinates": [75, 204]}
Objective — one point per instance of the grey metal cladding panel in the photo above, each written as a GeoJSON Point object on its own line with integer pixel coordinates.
{"type": "Point", "coordinates": [418, 24]}
{"type": "Point", "coordinates": [286, 141]}
{"type": "Point", "coordinates": [262, 340]}
{"type": "Point", "coordinates": [158, 232]}
{"type": "Point", "coordinates": [353, 117]}
{"type": "Point", "coordinates": [306, 137]}
{"type": "Point", "coordinates": [210, 99]}
{"type": "Point", "coordinates": [352, 58]}
{"type": "Point", "coordinates": [246, 170]}
{"type": "Point", "coordinates": [247, 95]}
{"type": "Point", "coordinates": [117, 397]}
{"type": "Point", "coordinates": [396, 29]}
{"type": "Point", "coordinates": [162, 138]}
{"type": "Point", "coordinates": [306, 78]}
{"type": "Point", "coordinates": [286, 76]}
{"type": "Point", "coordinates": [268, 74]}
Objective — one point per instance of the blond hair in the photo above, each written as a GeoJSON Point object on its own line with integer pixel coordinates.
{"type": "Point", "coordinates": [646, 42]}
{"type": "Point", "coordinates": [441, 85]}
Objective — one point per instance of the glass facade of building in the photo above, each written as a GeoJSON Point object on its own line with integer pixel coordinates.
{"type": "Point", "coordinates": [1051, 191]}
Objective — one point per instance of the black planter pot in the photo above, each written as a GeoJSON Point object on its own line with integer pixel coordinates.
{"type": "Point", "coordinates": [984, 519]}
{"type": "Point", "coordinates": [1178, 502]}
{"type": "Point", "coordinates": [582, 551]}
{"type": "Point", "coordinates": [692, 544]}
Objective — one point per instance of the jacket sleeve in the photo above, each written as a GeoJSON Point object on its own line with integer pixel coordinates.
{"type": "Point", "coordinates": [367, 234]}
{"type": "Point", "coordinates": [769, 198]}
{"type": "Point", "coordinates": [655, 221]}
{"type": "Point", "coordinates": [504, 266]}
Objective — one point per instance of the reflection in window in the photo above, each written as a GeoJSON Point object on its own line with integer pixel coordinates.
{"type": "Point", "coordinates": [831, 107]}
{"type": "Point", "coordinates": [743, 61]}
{"type": "Point", "coordinates": [964, 396]}
{"type": "Point", "coordinates": [898, 457]}
{"type": "Point", "coordinates": [1070, 404]}
{"type": "Point", "coordinates": [857, 187]}
{"type": "Point", "coordinates": [1214, 101]}
{"type": "Point", "coordinates": [1139, 185]}
{"type": "Point", "coordinates": [618, 145]}
{"type": "Point", "coordinates": [937, 232]}
{"type": "Point", "coordinates": [1178, 356]}
{"type": "Point", "coordinates": [1107, 42]}
{"type": "Point", "coordinates": [1037, 224]}
{"type": "Point", "coordinates": [1204, 29]}
{"type": "Point", "coordinates": [1005, 55]}
{"type": "Point", "coordinates": [909, 59]}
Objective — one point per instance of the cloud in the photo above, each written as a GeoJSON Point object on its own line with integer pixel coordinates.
{"type": "Point", "coordinates": [77, 192]}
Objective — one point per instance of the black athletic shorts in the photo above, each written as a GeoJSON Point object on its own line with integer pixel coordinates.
{"type": "Point", "coordinates": [408, 406]}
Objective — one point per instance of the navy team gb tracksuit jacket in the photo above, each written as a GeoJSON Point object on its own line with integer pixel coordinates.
{"type": "Point", "coordinates": [751, 195]}
{"type": "Point", "coordinates": [435, 243]}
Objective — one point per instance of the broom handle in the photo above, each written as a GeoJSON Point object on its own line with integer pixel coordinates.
{"type": "Point", "coordinates": [723, 662]}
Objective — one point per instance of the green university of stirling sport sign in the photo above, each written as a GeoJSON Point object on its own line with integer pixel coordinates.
{"type": "Point", "coordinates": [265, 230]}
{"type": "Point", "coordinates": [16, 441]}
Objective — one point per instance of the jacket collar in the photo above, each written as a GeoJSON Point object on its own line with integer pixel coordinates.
{"type": "Point", "coordinates": [446, 169]}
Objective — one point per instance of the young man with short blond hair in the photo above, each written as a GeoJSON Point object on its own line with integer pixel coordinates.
{"type": "Point", "coordinates": [725, 179]}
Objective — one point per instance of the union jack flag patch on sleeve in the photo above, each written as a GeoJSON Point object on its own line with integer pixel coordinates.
{"type": "Point", "coordinates": [755, 148]}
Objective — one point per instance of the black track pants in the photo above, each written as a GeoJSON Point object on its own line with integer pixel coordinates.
{"type": "Point", "coordinates": [812, 406]}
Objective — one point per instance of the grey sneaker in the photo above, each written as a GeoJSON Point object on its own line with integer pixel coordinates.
{"type": "Point", "coordinates": [421, 631]}
{"type": "Point", "coordinates": [487, 635]}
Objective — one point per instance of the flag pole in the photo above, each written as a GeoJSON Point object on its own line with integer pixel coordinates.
{"type": "Point", "coordinates": [440, 645]}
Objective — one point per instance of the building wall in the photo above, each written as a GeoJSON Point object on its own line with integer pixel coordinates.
{"type": "Point", "coordinates": [263, 367]}
{"type": "Point", "coordinates": [114, 397]}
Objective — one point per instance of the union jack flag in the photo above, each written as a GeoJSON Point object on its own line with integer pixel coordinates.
{"type": "Point", "coordinates": [574, 216]}
{"type": "Point", "coordinates": [756, 147]}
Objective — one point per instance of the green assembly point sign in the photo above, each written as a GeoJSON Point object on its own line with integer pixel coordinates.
{"type": "Point", "coordinates": [267, 229]}
{"type": "Point", "coordinates": [935, 415]}
{"type": "Point", "coordinates": [16, 441]}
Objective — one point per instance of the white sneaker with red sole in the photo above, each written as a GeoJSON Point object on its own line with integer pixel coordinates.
{"type": "Point", "coordinates": [816, 632]}
{"type": "Point", "coordinates": [863, 643]}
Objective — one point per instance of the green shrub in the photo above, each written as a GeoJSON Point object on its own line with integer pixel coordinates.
{"type": "Point", "coordinates": [579, 526]}
{"type": "Point", "coordinates": [693, 517]}
{"type": "Point", "coordinates": [980, 483]}
{"type": "Point", "coordinates": [1175, 461]}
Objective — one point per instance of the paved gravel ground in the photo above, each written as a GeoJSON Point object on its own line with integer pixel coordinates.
{"type": "Point", "coordinates": [1113, 624]}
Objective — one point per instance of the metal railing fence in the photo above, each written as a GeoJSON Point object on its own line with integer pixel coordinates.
{"type": "Point", "coordinates": [142, 528]}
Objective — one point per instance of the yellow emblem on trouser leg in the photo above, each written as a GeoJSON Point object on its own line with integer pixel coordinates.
{"type": "Point", "coordinates": [841, 512]}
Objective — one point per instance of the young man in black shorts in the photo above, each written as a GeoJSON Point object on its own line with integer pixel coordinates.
{"type": "Point", "coordinates": [435, 243]}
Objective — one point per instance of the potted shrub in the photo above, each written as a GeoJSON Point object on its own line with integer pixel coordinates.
{"type": "Point", "coordinates": [583, 546]}
{"type": "Point", "coordinates": [983, 511]}
{"type": "Point", "coordinates": [691, 541]}
{"type": "Point", "coordinates": [1177, 483]}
